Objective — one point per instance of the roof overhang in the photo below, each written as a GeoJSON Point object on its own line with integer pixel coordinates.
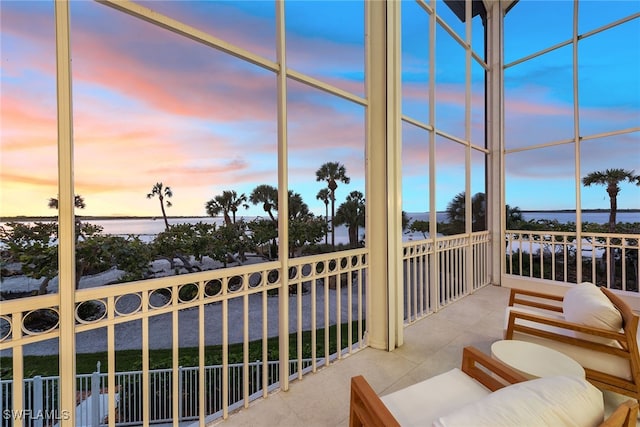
{"type": "Point", "coordinates": [478, 7]}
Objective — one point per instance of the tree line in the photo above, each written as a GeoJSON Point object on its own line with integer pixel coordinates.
{"type": "Point", "coordinates": [34, 246]}
{"type": "Point", "coordinates": [350, 213]}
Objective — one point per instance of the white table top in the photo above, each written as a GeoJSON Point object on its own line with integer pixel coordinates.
{"type": "Point", "coordinates": [533, 360]}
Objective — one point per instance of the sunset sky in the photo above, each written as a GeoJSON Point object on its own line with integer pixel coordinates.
{"type": "Point", "coordinates": [150, 106]}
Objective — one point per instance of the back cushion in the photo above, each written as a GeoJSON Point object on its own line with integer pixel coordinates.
{"type": "Point", "coordinates": [548, 401]}
{"type": "Point", "coordinates": [586, 304]}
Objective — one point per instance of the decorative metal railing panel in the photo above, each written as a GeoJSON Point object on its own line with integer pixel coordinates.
{"type": "Point", "coordinates": [327, 314]}
{"type": "Point", "coordinates": [437, 273]}
{"type": "Point", "coordinates": [419, 298]}
{"type": "Point", "coordinates": [609, 260]}
{"type": "Point", "coordinates": [220, 308]}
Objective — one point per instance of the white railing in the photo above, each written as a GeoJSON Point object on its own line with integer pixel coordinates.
{"type": "Point", "coordinates": [232, 306]}
{"type": "Point", "coordinates": [91, 410]}
{"type": "Point", "coordinates": [609, 260]}
{"type": "Point", "coordinates": [211, 308]}
{"type": "Point", "coordinates": [437, 273]}
{"type": "Point", "coordinates": [41, 397]}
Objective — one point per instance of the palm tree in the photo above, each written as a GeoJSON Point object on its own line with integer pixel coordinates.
{"type": "Point", "coordinates": [456, 212]}
{"type": "Point", "coordinates": [405, 221]}
{"type": "Point", "coordinates": [268, 196]}
{"type": "Point", "coordinates": [351, 213]}
{"type": "Point", "coordinates": [228, 203]}
{"type": "Point", "coordinates": [514, 217]}
{"type": "Point", "coordinates": [325, 196]}
{"type": "Point", "coordinates": [479, 212]}
{"type": "Point", "coordinates": [236, 203]}
{"type": "Point", "coordinates": [332, 172]}
{"type": "Point", "coordinates": [298, 209]}
{"type": "Point", "coordinates": [611, 178]}
{"type": "Point", "coordinates": [215, 206]}
{"type": "Point", "coordinates": [161, 192]}
{"type": "Point", "coordinates": [78, 202]}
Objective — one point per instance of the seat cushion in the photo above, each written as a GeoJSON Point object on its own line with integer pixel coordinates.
{"type": "Point", "coordinates": [420, 404]}
{"type": "Point", "coordinates": [591, 359]}
{"type": "Point", "coordinates": [549, 401]}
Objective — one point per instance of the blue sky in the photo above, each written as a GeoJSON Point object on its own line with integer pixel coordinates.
{"type": "Point", "coordinates": [151, 106]}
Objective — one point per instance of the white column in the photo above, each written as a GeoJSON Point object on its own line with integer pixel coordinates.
{"type": "Point", "coordinates": [395, 276]}
{"type": "Point", "coordinates": [468, 265]}
{"type": "Point", "coordinates": [283, 199]}
{"type": "Point", "coordinates": [577, 144]}
{"type": "Point", "coordinates": [66, 220]}
{"type": "Point", "coordinates": [384, 176]}
{"type": "Point", "coordinates": [495, 139]}
{"type": "Point", "coordinates": [434, 271]}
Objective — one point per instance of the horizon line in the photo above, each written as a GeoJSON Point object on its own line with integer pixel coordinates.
{"type": "Point", "coordinates": [29, 217]}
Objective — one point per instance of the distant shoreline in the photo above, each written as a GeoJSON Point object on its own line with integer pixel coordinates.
{"type": "Point", "coordinates": [100, 218]}
{"type": "Point", "coordinates": [583, 210]}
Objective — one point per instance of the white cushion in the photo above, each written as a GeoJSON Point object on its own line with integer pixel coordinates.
{"type": "Point", "coordinates": [590, 359]}
{"type": "Point", "coordinates": [421, 403]}
{"type": "Point", "coordinates": [596, 360]}
{"type": "Point", "coordinates": [586, 304]}
{"type": "Point", "coordinates": [549, 401]}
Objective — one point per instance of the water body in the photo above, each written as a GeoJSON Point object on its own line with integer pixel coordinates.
{"type": "Point", "coordinates": [148, 228]}
{"type": "Point", "coordinates": [563, 217]}
{"type": "Point", "coordinates": [594, 217]}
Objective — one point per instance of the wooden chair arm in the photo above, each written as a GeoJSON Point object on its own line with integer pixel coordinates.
{"type": "Point", "coordinates": [366, 408]}
{"type": "Point", "coordinates": [625, 415]}
{"type": "Point", "coordinates": [563, 324]}
{"type": "Point", "coordinates": [549, 301]}
{"type": "Point", "coordinates": [495, 374]}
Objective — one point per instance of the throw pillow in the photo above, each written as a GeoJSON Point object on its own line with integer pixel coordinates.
{"type": "Point", "coordinates": [586, 304]}
{"type": "Point", "coordinates": [548, 401]}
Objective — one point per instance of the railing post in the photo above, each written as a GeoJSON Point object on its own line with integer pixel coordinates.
{"type": "Point", "coordinates": [179, 396]}
{"type": "Point", "coordinates": [254, 382]}
{"type": "Point", "coordinates": [38, 407]}
{"type": "Point", "coordinates": [95, 399]}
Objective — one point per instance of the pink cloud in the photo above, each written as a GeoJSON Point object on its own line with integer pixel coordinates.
{"type": "Point", "coordinates": [151, 106]}
{"type": "Point", "coordinates": [173, 75]}
{"type": "Point", "coordinates": [532, 100]}
{"type": "Point", "coordinates": [25, 128]}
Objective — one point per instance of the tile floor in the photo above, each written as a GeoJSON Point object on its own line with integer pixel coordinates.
{"type": "Point", "coordinates": [431, 346]}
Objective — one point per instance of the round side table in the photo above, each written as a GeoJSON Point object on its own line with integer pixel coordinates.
{"type": "Point", "coordinates": [534, 360]}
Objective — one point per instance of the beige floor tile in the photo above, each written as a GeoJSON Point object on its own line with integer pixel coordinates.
{"type": "Point", "coordinates": [431, 346]}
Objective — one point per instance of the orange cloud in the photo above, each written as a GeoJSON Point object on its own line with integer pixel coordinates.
{"type": "Point", "coordinates": [28, 179]}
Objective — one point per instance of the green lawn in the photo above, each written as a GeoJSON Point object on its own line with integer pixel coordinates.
{"type": "Point", "coordinates": [131, 360]}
